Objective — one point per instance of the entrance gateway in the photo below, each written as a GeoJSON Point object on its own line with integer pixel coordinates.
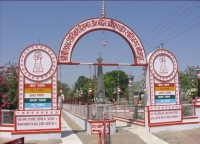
{"type": "Point", "coordinates": [38, 65]}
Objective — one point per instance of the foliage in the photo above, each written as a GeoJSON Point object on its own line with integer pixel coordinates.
{"type": "Point", "coordinates": [9, 86]}
{"type": "Point", "coordinates": [64, 87]}
{"type": "Point", "coordinates": [192, 92]}
{"type": "Point", "coordinates": [81, 83]}
{"type": "Point", "coordinates": [188, 78]}
{"type": "Point", "coordinates": [89, 84]}
{"type": "Point", "coordinates": [189, 81]}
{"type": "Point", "coordinates": [188, 111]}
{"type": "Point", "coordinates": [138, 88]}
{"type": "Point", "coordinates": [111, 82]}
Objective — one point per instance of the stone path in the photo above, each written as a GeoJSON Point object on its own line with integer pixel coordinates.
{"type": "Point", "coordinates": [180, 137]}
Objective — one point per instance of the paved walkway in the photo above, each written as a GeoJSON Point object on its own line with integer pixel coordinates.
{"type": "Point", "coordinates": [74, 134]}
{"type": "Point", "coordinates": [147, 137]}
{"type": "Point", "coordinates": [121, 137]}
{"type": "Point", "coordinates": [180, 137]}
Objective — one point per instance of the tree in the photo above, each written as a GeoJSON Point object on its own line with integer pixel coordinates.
{"type": "Point", "coordinates": [64, 87]}
{"type": "Point", "coordinates": [89, 84]}
{"type": "Point", "coordinates": [81, 82]}
{"type": "Point", "coordinates": [188, 78]}
{"type": "Point", "coordinates": [189, 81]}
{"type": "Point", "coordinates": [111, 82]}
{"type": "Point", "coordinates": [137, 86]}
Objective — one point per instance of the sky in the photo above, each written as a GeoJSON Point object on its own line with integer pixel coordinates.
{"type": "Point", "coordinates": [176, 24]}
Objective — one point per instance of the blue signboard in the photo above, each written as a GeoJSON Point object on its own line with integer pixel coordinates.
{"type": "Point", "coordinates": [37, 105]}
{"type": "Point", "coordinates": [165, 101]}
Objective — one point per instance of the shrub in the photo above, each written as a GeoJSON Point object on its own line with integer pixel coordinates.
{"type": "Point", "coordinates": [9, 86]}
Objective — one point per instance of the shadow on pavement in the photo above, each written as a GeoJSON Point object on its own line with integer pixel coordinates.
{"type": "Point", "coordinates": [65, 133]}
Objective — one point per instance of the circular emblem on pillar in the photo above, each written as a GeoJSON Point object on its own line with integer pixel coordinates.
{"type": "Point", "coordinates": [38, 62]}
{"type": "Point", "coordinates": [163, 65]}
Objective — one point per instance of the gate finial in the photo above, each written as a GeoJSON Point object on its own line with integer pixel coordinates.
{"type": "Point", "coordinates": [103, 12]}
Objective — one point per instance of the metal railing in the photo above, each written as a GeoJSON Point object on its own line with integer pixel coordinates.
{"type": "Point", "coordinates": [129, 112]}
{"type": "Point", "coordinates": [90, 111]}
{"type": "Point", "coordinates": [96, 111]}
{"type": "Point", "coordinates": [188, 110]}
{"type": "Point", "coordinates": [123, 111]}
{"type": "Point", "coordinates": [7, 116]}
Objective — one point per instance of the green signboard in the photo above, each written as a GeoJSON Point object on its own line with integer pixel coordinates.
{"type": "Point", "coordinates": [165, 96]}
{"type": "Point", "coordinates": [37, 100]}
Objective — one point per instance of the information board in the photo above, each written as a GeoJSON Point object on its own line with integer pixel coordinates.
{"type": "Point", "coordinates": [165, 116]}
{"type": "Point", "coordinates": [37, 96]}
{"type": "Point", "coordinates": [37, 122]}
{"type": "Point", "coordinates": [164, 93]}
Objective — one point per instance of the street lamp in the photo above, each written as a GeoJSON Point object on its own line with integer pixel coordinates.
{"type": "Point", "coordinates": [60, 99]}
{"type": "Point", "coordinates": [81, 91]}
{"type": "Point", "coordinates": [180, 89]}
{"type": "Point", "coordinates": [77, 92]}
{"type": "Point", "coordinates": [61, 94]}
{"type": "Point", "coordinates": [89, 95]}
{"type": "Point", "coordinates": [90, 91]}
{"type": "Point", "coordinates": [88, 102]}
{"type": "Point", "coordinates": [118, 91]}
{"type": "Point", "coordinates": [198, 74]}
{"type": "Point", "coordinates": [140, 92]}
{"type": "Point", "coordinates": [192, 89]}
{"type": "Point", "coordinates": [130, 84]}
{"type": "Point", "coordinates": [81, 96]}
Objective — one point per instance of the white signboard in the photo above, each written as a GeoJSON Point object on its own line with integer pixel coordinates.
{"type": "Point", "coordinates": [97, 127]}
{"type": "Point", "coordinates": [37, 122]}
{"type": "Point", "coordinates": [165, 116]}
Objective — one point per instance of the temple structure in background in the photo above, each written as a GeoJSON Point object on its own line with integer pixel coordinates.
{"type": "Point", "coordinates": [100, 95]}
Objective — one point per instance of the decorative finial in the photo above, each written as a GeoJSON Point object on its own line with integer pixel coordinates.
{"type": "Point", "coordinates": [99, 55]}
{"type": "Point", "coordinates": [103, 12]}
{"type": "Point", "coordinates": [161, 46]}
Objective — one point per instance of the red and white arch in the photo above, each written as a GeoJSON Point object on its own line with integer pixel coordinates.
{"type": "Point", "coordinates": [89, 25]}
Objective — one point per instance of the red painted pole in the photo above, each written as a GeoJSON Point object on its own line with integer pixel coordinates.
{"type": "Point", "coordinates": [99, 142]}
{"type": "Point", "coordinates": [104, 128]}
{"type": "Point", "coordinates": [0, 114]}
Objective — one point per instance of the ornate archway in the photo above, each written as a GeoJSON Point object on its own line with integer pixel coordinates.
{"type": "Point", "coordinates": [89, 25]}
